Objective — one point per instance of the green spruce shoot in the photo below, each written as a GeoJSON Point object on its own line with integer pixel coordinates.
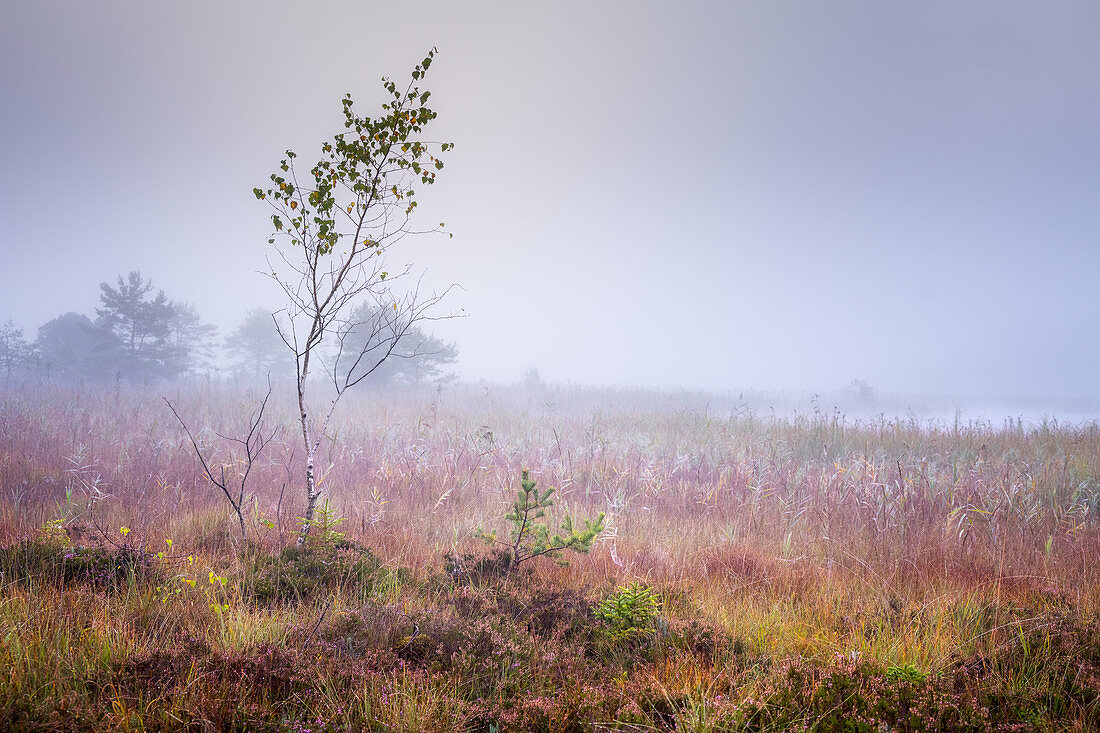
{"type": "Point", "coordinates": [531, 537]}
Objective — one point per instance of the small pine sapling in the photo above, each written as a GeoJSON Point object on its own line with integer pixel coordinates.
{"type": "Point", "coordinates": [531, 537]}
{"type": "Point", "coordinates": [630, 612]}
{"type": "Point", "coordinates": [323, 522]}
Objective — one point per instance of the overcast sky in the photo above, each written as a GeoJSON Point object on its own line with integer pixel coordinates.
{"type": "Point", "coordinates": [718, 195]}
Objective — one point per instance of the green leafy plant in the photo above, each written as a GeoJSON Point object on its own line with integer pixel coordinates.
{"type": "Point", "coordinates": [630, 612]}
{"type": "Point", "coordinates": [327, 559]}
{"type": "Point", "coordinates": [530, 537]}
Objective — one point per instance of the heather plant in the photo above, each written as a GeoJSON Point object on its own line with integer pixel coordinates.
{"type": "Point", "coordinates": [469, 568]}
{"type": "Point", "coordinates": [530, 537]}
{"type": "Point", "coordinates": [302, 573]}
{"type": "Point", "coordinates": [49, 560]}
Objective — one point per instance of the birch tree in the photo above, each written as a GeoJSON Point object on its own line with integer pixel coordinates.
{"type": "Point", "coordinates": [336, 226]}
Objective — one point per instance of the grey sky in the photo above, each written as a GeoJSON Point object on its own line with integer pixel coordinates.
{"type": "Point", "coordinates": [715, 195]}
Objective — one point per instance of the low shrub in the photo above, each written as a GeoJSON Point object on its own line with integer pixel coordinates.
{"type": "Point", "coordinates": [101, 567]}
{"type": "Point", "coordinates": [302, 573]}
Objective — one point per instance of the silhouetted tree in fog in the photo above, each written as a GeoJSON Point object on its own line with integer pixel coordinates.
{"type": "Point", "coordinates": [193, 338]}
{"type": "Point", "coordinates": [15, 353]}
{"type": "Point", "coordinates": [142, 322]}
{"type": "Point", "coordinates": [137, 335]}
{"type": "Point", "coordinates": [71, 346]}
{"type": "Point", "coordinates": [417, 358]}
{"type": "Point", "coordinates": [255, 346]}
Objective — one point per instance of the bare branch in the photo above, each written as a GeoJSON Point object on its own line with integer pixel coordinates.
{"type": "Point", "coordinates": [252, 444]}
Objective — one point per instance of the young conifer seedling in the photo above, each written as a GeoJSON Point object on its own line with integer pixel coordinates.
{"type": "Point", "coordinates": [531, 537]}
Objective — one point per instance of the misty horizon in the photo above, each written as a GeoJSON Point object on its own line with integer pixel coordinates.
{"type": "Point", "coordinates": [747, 198]}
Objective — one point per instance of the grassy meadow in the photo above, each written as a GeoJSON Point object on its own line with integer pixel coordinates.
{"type": "Point", "coordinates": [755, 574]}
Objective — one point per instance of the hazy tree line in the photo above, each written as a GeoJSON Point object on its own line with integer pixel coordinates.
{"type": "Point", "coordinates": [138, 334]}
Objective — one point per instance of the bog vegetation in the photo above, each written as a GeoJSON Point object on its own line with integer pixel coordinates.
{"type": "Point", "coordinates": [748, 573]}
